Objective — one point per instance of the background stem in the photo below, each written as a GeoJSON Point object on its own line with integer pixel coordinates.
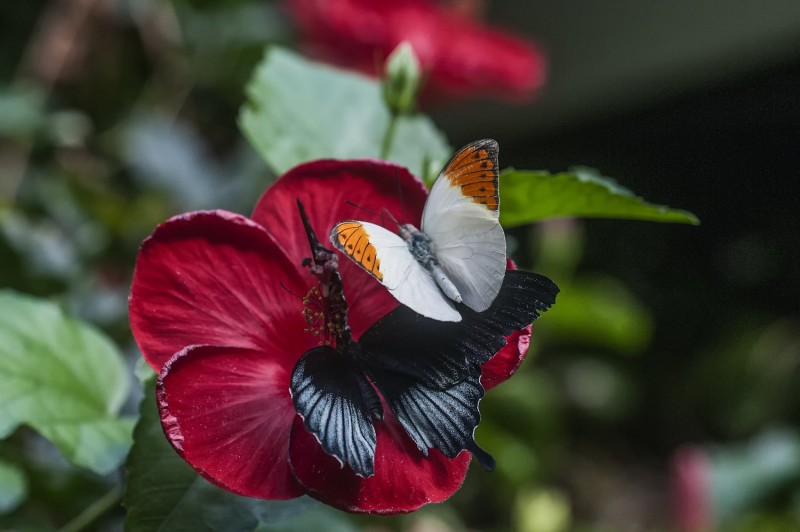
{"type": "Point", "coordinates": [94, 510]}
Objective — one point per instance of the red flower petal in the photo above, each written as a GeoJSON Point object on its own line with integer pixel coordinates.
{"type": "Point", "coordinates": [461, 55]}
{"type": "Point", "coordinates": [228, 412]}
{"type": "Point", "coordinates": [693, 499]}
{"type": "Point", "coordinates": [215, 278]}
{"type": "Point", "coordinates": [480, 60]}
{"type": "Point", "coordinates": [404, 479]}
{"type": "Point", "coordinates": [507, 361]}
{"type": "Point", "coordinates": [323, 187]}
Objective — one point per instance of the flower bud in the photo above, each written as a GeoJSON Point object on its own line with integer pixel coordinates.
{"type": "Point", "coordinates": [402, 75]}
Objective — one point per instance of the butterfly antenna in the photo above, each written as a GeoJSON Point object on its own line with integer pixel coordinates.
{"type": "Point", "coordinates": [399, 195]}
{"type": "Point", "coordinates": [376, 213]}
{"type": "Point", "coordinates": [357, 206]}
{"type": "Point", "coordinates": [389, 215]}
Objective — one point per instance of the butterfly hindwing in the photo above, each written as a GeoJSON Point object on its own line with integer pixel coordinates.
{"type": "Point", "coordinates": [337, 404]}
{"type": "Point", "coordinates": [436, 419]}
{"type": "Point", "coordinates": [461, 217]}
{"type": "Point", "coordinates": [386, 257]}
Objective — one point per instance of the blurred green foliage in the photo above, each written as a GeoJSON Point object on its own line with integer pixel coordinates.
{"type": "Point", "coordinates": [298, 111]}
{"type": "Point", "coordinates": [65, 380]}
{"type": "Point", "coordinates": [13, 486]}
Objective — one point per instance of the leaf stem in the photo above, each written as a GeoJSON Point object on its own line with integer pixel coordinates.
{"type": "Point", "coordinates": [388, 137]}
{"type": "Point", "coordinates": [94, 511]}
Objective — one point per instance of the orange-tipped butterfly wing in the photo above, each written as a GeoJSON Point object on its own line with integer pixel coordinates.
{"type": "Point", "coordinates": [461, 217]}
{"type": "Point", "coordinates": [386, 257]}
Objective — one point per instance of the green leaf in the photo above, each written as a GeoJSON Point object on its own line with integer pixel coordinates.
{"type": "Point", "coordinates": [164, 492]}
{"type": "Point", "coordinates": [64, 379]}
{"type": "Point", "coordinates": [297, 111]}
{"type": "Point", "coordinates": [142, 371]}
{"type": "Point", "coordinates": [531, 196]}
{"type": "Point", "coordinates": [13, 486]}
{"type": "Point", "coordinates": [600, 311]}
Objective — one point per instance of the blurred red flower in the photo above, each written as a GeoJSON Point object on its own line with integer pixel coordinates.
{"type": "Point", "coordinates": [213, 311]}
{"type": "Point", "coordinates": [691, 489]}
{"type": "Point", "coordinates": [460, 55]}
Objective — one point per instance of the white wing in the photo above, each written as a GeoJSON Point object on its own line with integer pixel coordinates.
{"type": "Point", "coordinates": [385, 256]}
{"type": "Point", "coordinates": [461, 217]}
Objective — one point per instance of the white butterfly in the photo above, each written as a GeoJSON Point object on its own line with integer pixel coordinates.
{"type": "Point", "coordinates": [460, 253]}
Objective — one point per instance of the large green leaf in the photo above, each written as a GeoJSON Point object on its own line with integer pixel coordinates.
{"type": "Point", "coordinates": [531, 196]}
{"type": "Point", "coordinates": [164, 492]}
{"type": "Point", "coordinates": [298, 110]}
{"type": "Point", "coordinates": [64, 379]}
{"type": "Point", "coordinates": [600, 311]}
{"type": "Point", "coordinates": [13, 486]}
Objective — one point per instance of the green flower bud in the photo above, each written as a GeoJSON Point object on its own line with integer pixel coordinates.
{"type": "Point", "coordinates": [401, 84]}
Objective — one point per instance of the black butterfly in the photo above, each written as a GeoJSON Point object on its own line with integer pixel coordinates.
{"type": "Point", "coordinates": [427, 371]}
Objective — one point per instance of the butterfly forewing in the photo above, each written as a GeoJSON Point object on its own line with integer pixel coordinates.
{"type": "Point", "coordinates": [475, 171]}
{"type": "Point", "coordinates": [351, 238]}
{"type": "Point", "coordinates": [386, 257]}
{"type": "Point", "coordinates": [436, 419]}
{"type": "Point", "coordinates": [440, 355]}
{"type": "Point", "coordinates": [462, 219]}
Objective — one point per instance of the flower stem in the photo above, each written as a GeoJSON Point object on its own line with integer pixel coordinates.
{"type": "Point", "coordinates": [388, 137]}
{"type": "Point", "coordinates": [94, 511]}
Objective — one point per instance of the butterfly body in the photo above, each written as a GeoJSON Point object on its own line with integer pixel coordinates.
{"type": "Point", "coordinates": [458, 255]}
{"type": "Point", "coordinates": [421, 247]}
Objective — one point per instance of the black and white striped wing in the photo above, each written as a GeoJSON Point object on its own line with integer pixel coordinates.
{"type": "Point", "coordinates": [337, 405]}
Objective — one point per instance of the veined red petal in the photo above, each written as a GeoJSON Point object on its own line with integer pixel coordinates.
{"type": "Point", "coordinates": [228, 412]}
{"type": "Point", "coordinates": [214, 277]}
{"type": "Point", "coordinates": [508, 360]}
{"type": "Point", "coordinates": [324, 187]}
{"type": "Point", "coordinates": [404, 479]}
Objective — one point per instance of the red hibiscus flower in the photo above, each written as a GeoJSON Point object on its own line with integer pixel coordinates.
{"type": "Point", "coordinates": [224, 307]}
{"type": "Point", "coordinates": [460, 55]}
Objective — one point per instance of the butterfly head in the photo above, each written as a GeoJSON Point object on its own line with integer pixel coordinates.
{"type": "Point", "coordinates": [407, 231]}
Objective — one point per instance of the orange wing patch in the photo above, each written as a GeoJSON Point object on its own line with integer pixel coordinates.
{"type": "Point", "coordinates": [475, 170]}
{"type": "Point", "coordinates": [351, 238]}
